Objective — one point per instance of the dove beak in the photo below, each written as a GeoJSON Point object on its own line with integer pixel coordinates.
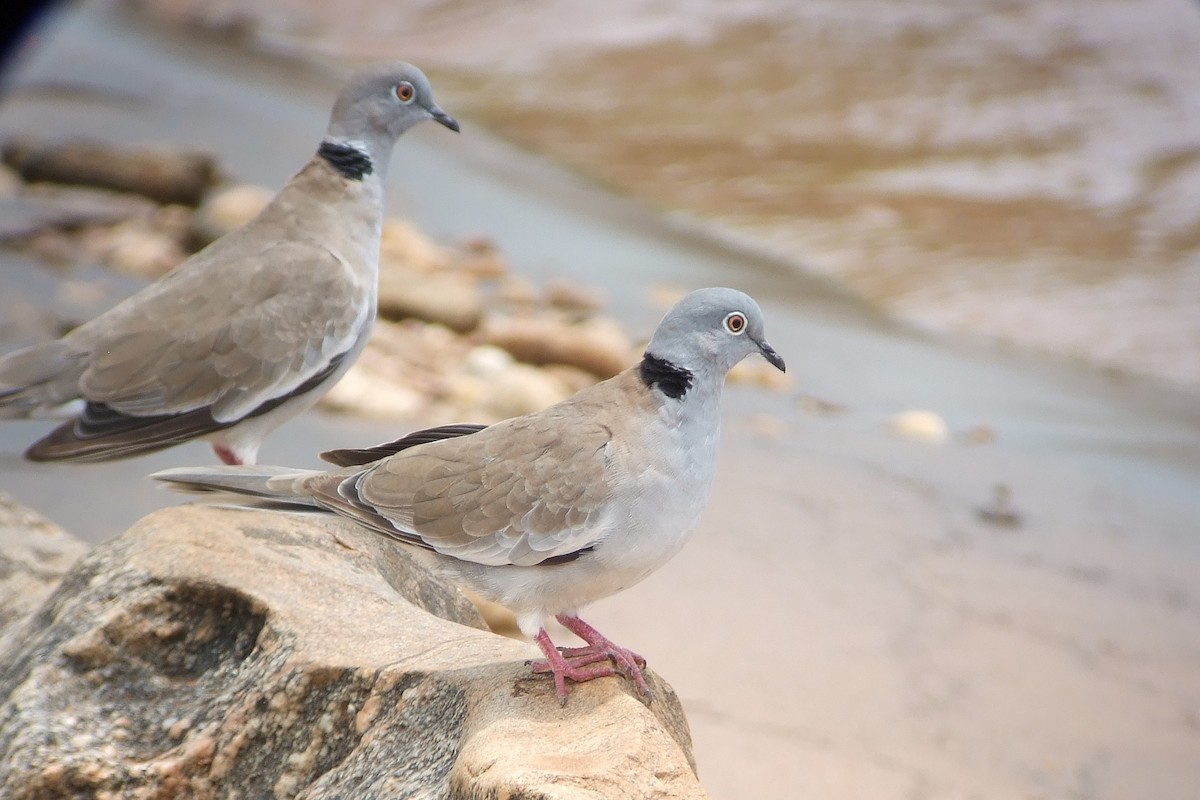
{"type": "Point", "coordinates": [770, 355]}
{"type": "Point", "coordinates": [444, 118]}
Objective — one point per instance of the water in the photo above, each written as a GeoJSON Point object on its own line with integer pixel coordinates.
{"type": "Point", "coordinates": [1015, 169]}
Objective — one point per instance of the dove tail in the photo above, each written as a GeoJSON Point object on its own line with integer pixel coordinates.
{"type": "Point", "coordinates": [38, 380]}
{"type": "Point", "coordinates": [283, 485]}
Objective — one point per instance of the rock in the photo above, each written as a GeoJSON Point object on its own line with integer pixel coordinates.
{"type": "Point", "coordinates": [758, 372]}
{"type": "Point", "coordinates": [53, 247]}
{"type": "Point", "coordinates": [163, 175]}
{"type": "Point", "coordinates": [570, 297]}
{"type": "Point", "coordinates": [765, 426]}
{"type": "Point", "coordinates": [598, 345]}
{"type": "Point", "coordinates": [34, 555]}
{"type": "Point", "coordinates": [518, 291]}
{"type": "Point", "coordinates": [136, 248]}
{"type": "Point", "coordinates": [226, 210]}
{"type": "Point", "coordinates": [919, 425]}
{"type": "Point", "coordinates": [983, 433]}
{"type": "Point", "coordinates": [811, 404]}
{"type": "Point", "coordinates": [446, 298]}
{"type": "Point", "coordinates": [491, 386]}
{"type": "Point", "coordinates": [44, 207]}
{"type": "Point", "coordinates": [365, 391]}
{"type": "Point", "coordinates": [10, 182]}
{"type": "Point", "coordinates": [218, 652]}
{"type": "Point", "coordinates": [999, 510]}
{"type": "Point", "coordinates": [481, 258]}
{"type": "Point", "coordinates": [403, 245]}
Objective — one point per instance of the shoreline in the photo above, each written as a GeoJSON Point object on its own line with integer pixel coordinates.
{"type": "Point", "coordinates": [843, 623]}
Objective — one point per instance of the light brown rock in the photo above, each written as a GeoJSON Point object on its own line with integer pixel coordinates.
{"type": "Point", "coordinates": [10, 182]}
{"type": "Point", "coordinates": [34, 555]}
{"type": "Point", "coordinates": [164, 175]}
{"type": "Point", "coordinates": [573, 297]}
{"type": "Point", "coordinates": [447, 298]}
{"type": "Point", "coordinates": [404, 245]}
{"type": "Point", "coordinates": [480, 257]}
{"type": "Point", "coordinates": [138, 248]}
{"type": "Point", "coordinates": [491, 386]}
{"type": "Point", "coordinates": [758, 372]}
{"type": "Point", "coordinates": [220, 653]}
{"type": "Point", "coordinates": [226, 210]}
{"type": "Point", "coordinates": [597, 345]}
{"type": "Point", "coordinates": [919, 425]}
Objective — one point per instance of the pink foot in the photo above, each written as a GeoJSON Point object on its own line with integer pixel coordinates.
{"type": "Point", "coordinates": [628, 661]}
{"type": "Point", "coordinates": [575, 662]}
{"type": "Point", "coordinates": [564, 668]}
{"type": "Point", "coordinates": [226, 455]}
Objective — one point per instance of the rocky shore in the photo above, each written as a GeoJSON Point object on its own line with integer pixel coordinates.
{"type": "Point", "coordinates": [311, 660]}
{"type": "Point", "coordinates": [1004, 614]}
{"type": "Point", "coordinates": [460, 336]}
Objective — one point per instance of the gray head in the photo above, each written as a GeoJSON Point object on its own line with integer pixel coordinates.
{"type": "Point", "coordinates": [711, 330]}
{"type": "Point", "coordinates": [379, 103]}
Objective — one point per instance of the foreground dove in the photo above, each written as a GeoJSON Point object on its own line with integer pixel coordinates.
{"type": "Point", "coordinates": [251, 330]}
{"type": "Point", "coordinates": [550, 511]}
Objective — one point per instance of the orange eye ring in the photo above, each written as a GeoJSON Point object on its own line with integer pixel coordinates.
{"type": "Point", "coordinates": [405, 92]}
{"type": "Point", "coordinates": [735, 322]}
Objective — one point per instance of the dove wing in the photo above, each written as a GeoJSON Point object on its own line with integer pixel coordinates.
{"type": "Point", "coordinates": [227, 332]}
{"type": "Point", "coordinates": [524, 491]}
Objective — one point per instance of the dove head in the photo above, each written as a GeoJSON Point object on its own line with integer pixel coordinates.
{"type": "Point", "coordinates": [711, 330]}
{"type": "Point", "coordinates": [378, 104]}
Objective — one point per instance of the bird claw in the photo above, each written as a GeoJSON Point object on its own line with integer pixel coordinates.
{"type": "Point", "coordinates": [581, 664]}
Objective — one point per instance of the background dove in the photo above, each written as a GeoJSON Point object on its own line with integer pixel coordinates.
{"type": "Point", "coordinates": [251, 330]}
{"type": "Point", "coordinates": [550, 511]}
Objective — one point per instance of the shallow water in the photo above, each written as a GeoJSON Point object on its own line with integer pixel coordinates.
{"type": "Point", "coordinates": [1011, 168]}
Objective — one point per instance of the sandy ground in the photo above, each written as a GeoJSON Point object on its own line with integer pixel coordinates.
{"type": "Point", "coordinates": [843, 625]}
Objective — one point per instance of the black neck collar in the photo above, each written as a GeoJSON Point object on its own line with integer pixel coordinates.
{"type": "Point", "coordinates": [671, 380]}
{"type": "Point", "coordinates": [350, 162]}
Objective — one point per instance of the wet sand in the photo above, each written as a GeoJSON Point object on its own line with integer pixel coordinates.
{"type": "Point", "coordinates": [843, 624]}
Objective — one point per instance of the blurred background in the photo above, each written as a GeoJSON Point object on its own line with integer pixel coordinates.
{"type": "Point", "coordinates": [1027, 170]}
{"type": "Point", "coordinates": [955, 552]}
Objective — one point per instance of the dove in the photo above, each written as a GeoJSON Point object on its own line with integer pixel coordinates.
{"type": "Point", "coordinates": [251, 330]}
{"type": "Point", "coordinates": [548, 512]}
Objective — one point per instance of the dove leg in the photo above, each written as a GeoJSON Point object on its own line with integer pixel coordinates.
{"type": "Point", "coordinates": [600, 648]}
{"type": "Point", "coordinates": [563, 669]}
{"type": "Point", "coordinates": [226, 455]}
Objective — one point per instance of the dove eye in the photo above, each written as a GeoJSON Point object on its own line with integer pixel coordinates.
{"type": "Point", "coordinates": [405, 92]}
{"type": "Point", "coordinates": [735, 322]}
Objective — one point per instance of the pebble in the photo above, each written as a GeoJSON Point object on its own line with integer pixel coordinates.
{"type": "Point", "coordinates": [758, 372]}
{"type": "Point", "coordinates": [919, 425]}
{"type": "Point", "coordinates": [402, 244]}
{"type": "Point", "coordinates": [481, 258]}
{"type": "Point", "coordinates": [598, 345]}
{"type": "Point", "coordinates": [10, 182]}
{"type": "Point", "coordinates": [136, 248]}
{"type": "Point", "coordinates": [445, 297]}
{"type": "Point", "coordinates": [980, 434]}
{"type": "Point", "coordinates": [517, 291]}
{"type": "Point", "coordinates": [510, 392]}
{"type": "Point", "coordinates": [999, 511]}
{"type": "Point", "coordinates": [228, 209]}
{"type": "Point", "coordinates": [570, 297]}
{"type": "Point", "coordinates": [459, 337]}
{"type": "Point", "coordinates": [811, 404]}
{"type": "Point", "coordinates": [765, 426]}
